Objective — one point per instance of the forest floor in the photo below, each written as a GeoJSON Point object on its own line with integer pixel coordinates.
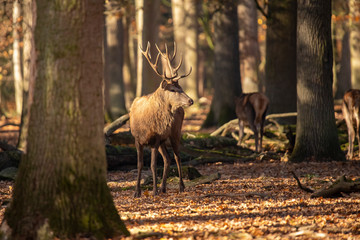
{"type": "Point", "coordinates": [254, 198]}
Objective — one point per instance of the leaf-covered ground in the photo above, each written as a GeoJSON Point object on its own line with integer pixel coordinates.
{"type": "Point", "coordinates": [255, 198]}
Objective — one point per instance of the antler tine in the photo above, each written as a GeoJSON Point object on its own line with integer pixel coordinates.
{"type": "Point", "coordinates": [179, 65]}
{"type": "Point", "coordinates": [160, 52]}
{"type": "Point", "coordinates": [183, 76]}
{"type": "Point", "coordinates": [148, 58]}
{"type": "Point", "coordinates": [174, 54]}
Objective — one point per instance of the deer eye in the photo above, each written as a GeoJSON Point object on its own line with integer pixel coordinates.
{"type": "Point", "coordinates": [172, 90]}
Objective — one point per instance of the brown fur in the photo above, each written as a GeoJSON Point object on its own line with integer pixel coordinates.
{"type": "Point", "coordinates": [251, 108]}
{"type": "Point", "coordinates": [350, 109]}
{"type": "Point", "coordinates": [154, 118]}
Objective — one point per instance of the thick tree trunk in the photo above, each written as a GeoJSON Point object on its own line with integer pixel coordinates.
{"type": "Point", "coordinates": [316, 133]}
{"type": "Point", "coordinates": [249, 46]}
{"type": "Point", "coordinates": [113, 64]}
{"type": "Point", "coordinates": [280, 68]}
{"type": "Point", "coordinates": [61, 189]}
{"type": "Point", "coordinates": [147, 14]}
{"type": "Point", "coordinates": [354, 6]}
{"type": "Point", "coordinates": [226, 79]}
{"type": "Point", "coordinates": [18, 79]}
{"type": "Point", "coordinates": [29, 59]}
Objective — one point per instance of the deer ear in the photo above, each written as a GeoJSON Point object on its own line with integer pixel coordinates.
{"type": "Point", "coordinates": [163, 84]}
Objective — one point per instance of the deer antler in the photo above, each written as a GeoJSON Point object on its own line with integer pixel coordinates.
{"type": "Point", "coordinates": [147, 55]}
{"type": "Point", "coordinates": [166, 63]}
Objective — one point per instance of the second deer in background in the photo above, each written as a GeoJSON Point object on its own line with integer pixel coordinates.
{"type": "Point", "coordinates": [350, 110]}
{"type": "Point", "coordinates": [251, 108]}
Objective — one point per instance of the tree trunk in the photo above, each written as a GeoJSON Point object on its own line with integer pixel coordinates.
{"type": "Point", "coordinates": [191, 55]}
{"type": "Point", "coordinates": [249, 46]}
{"type": "Point", "coordinates": [129, 70]}
{"type": "Point", "coordinates": [226, 79]}
{"type": "Point", "coordinates": [316, 133]}
{"type": "Point", "coordinates": [29, 59]}
{"type": "Point", "coordinates": [18, 80]}
{"type": "Point", "coordinates": [280, 68]}
{"type": "Point", "coordinates": [342, 65]}
{"type": "Point", "coordinates": [147, 14]}
{"type": "Point", "coordinates": [61, 189]}
{"type": "Point", "coordinates": [354, 7]}
{"type": "Point", "coordinates": [113, 64]}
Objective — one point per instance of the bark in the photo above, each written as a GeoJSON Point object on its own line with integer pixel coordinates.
{"type": "Point", "coordinates": [113, 63]}
{"type": "Point", "coordinates": [191, 51]}
{"type": "Point", "coordinates": [280, 68]}
{"type": "Point", "coordinates": [341, 33]}
{"type": "Point", "coordinates": [61, 189]}
{"type": "Point", "coordinates": [354, 7]}
{"type": "Point", "coordinates": [249, 46]}
{"type": "Point", "coordinates": [129, 72]}
{"type": "Point", "coordinates": [29, 59]}
{"type": "Point", "coordinates": [18, 79]}
{"type": "Point", "coordinates": [226, 77]}
{"type": "Point", "coordinates": [147, 14]}
{"type": "Point", "coordinates": [316, 133]}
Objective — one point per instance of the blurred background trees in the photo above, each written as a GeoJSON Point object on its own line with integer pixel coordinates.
{"type": "Point", "coordinates": [266, 51]}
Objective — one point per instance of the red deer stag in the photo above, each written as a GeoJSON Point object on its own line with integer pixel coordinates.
{"type": "Point", "coordinates": [350, 110]}
{"type": "Point", "coordinates": [251, 108]}
{"type": "Point", "coordinates": [156, 117]}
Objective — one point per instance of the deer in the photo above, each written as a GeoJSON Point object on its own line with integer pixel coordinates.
{"type": "Point", "coordinates": [158, 116]}
{"type": "Point", "coordinates": [350, 109]}
{"type": "Point", "coordinates": [251, 108]}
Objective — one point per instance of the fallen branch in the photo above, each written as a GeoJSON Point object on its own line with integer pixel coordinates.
{"type": "Point", "coordinates": [306, 189]}
{"type": "Point", "coordinates": [108, 130]}
{"type": "Point", "coordinates": [250, 194]}
{"type": "Point", "coordinates": [341, 186]}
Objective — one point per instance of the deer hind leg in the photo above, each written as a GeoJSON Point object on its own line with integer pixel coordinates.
{"type": "Point", "coordinates": [262, 130]}
{"type": "Point", "coordinates": [241, 132]}
{"type": "Point", "coordinates": [165, 155]}
{"type": "Point", "coordinates": [351, 131]}
{"type": "Point", "coordinates": [154, 153]}
{"type": "Point", "coordinates": [140, 164]}
{"type": "Point", "coordinates": [357, 127]}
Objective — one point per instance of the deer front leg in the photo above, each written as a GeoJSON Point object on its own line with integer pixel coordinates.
{"type": "Point", "coordinates": [165, 155]}
{"type": "Point", "coordinates": [175, 145]}
{"type": "Point", "coordinates": [154, 153]}
{"type": "Point", "coordinates": [140, 164]}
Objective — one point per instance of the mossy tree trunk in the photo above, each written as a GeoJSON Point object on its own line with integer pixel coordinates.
{"type": "Point", "coordinates": [226, 77]}
{"type": "Point", "coordinates": [280, 68]}
{"type": "Point", "coordinates": [61, 189]}
{"type": "Point", "coordinates": [316, 133]}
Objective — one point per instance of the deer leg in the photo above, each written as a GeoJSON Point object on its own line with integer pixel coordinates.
{"type": "Point", "coordinates": [262, 131]}
{"type": "Point", "coordinates": [351, 134]}
{"type": "Point", "coordinates": [140, 164]}
{"type": "Point", "coordinates": [154, 153]}
{"type": "Point", "coordinates": [256, 135]}
{"type": "Point", "coordinates": [165, 155]}
{"type": "Point", "coordinates": [357, 127]}
{"type": "Point", "coordinates": [241, 132]}
{"type": "Point", "coordinates": [175, 145]}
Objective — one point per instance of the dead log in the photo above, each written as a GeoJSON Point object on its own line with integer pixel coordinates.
{"type": "Point", "coordinates": [108, 130]}
{"type": "Point", "coordinates": [337, 189]}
